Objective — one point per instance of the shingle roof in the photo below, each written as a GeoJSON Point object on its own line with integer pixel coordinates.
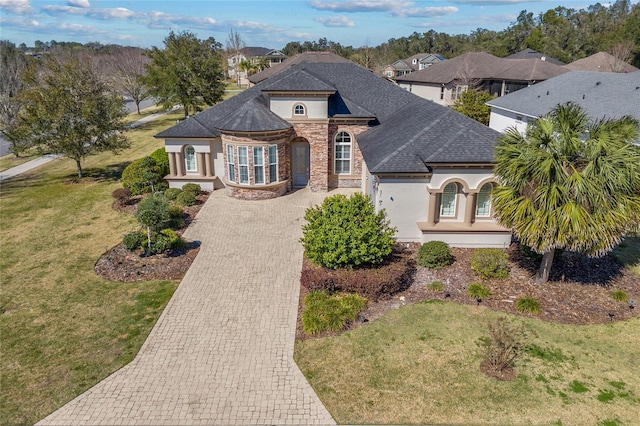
{"type": "Point", "coordinates": [601, 94]}
{"type": "Point", "coordinates": [479, 65]}
{"type": "Point", "coordinates": [532, 54]}
{"type": "Point", "coordinates": [301, 57]}
{"type": "Point", "coordinates": [406, 131]}
{"type": "Point", "coordinates": [600, 61]}
{"type": "Point", "coordinates": [424, 133]}
{"type": "Point", "coordinates": [299, 81]}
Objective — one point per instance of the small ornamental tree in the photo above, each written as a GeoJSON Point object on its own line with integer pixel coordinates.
{"type": "Point", "coordinates": [347, 232]}
{"type": "Point", "coordinates": [153, 213]}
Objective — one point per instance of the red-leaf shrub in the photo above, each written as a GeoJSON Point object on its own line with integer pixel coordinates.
{"type": "Point", "coordinates": [371, 282]}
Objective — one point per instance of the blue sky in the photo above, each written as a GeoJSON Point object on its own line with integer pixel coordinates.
{"type": "Point", "coordinates": [264, 23]}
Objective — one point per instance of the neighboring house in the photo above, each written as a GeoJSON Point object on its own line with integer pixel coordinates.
{"type": "Point", "coordinates": [532, 54]}
{"type": "Point", "coordinates": [444, 82]}
{"type": "Point", "coordinates": [414, 63]}
{"type": "Point", "coordinates": [329, 125]}
{"type": "Point", "coordinates": [601, 61]}
{"type": "Point", "coordinates": [251, 54]}
{"type": "Point", "coordinates": [601, 94]}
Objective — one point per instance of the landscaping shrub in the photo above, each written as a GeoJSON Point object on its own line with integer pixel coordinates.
{"type": "Point", "coordinates": [435, 286]}
{"type": "Point", "coordinates": [176, 217]}
{"type": "Point", "coordinates": [620, 295]}
{"type": "Point", "coordinates": [160, 243]}
{"type": "Point", "coordinates": [330, 313]}
{"type": "Point", "coordinates": [194, 188]}
{"type": "Point", "coordinates": [162, 161]}
{"type": "Point", "coordinates": [186, 199]}
{"type": "Point", "coordinates": [435, 255]}
{"type": "Point", "coordinates": [373, 283]}
{"type": "Point", "coordinates": [170, 194]}
{"type": "Point", "coordinates": [142, 176]}
{"type": "Point", "coordinates": [478, 291]}
{"type": "Point", "coordinates": [121, 195]}
{"type": "Point", "coordinates": [490, 263]}
{"type": "Point", "coordinates": [528, 304]}
{"type": "Point", "coordinates": [347, 232]}
{"type": "Point", "coordinates": [503, 347]}
{"type": "Point", "coordinates": [134, 240]}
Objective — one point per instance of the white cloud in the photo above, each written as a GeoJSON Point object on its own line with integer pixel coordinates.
{"type": "Point", "coordinates": [352, 6]}
{"type": "Point", "coordinates": [426, 12]}
{"type": "Point", "coordinates": [79, 3]}
{"type": "Point", "coordinates": [493, 2]}
{"type": "Point", "coordinates": [336, 21]}
{"type": "Point", "coordinates": [17, 7]}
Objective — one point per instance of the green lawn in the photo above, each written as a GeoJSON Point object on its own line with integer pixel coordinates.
{"type": "Point", "coordinates": [9, 161]}
{"type": "Point", "coordinates": [628, 252]}
{"type": "Point", "coordinates": [62, 328]}
{"type": "Point", "coordinates": [420, 364]}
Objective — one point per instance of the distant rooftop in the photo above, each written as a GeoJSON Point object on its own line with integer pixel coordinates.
{"type": "Point", "coordinates": [313, 57]}
{"type": "Point", "coordinates": [532, 54]}
{"type": "Point", "coordinates": [601, 61]}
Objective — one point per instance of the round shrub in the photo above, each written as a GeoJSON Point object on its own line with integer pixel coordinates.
{"type": "Point", "coordinates": [347, 232]}
{"type": "Point", "coordinates": [479, 291]}
{"type": "Point", "coordinates": [153, 212]}
{"type": "Point", "coordinates": [435, 254]}
{"type": "Point", "coordinates": [490, 263]}
{"type": "Point", "coordinates": [194, 188]}
{"type": "Point", "coordinates": [162, 161]}
{"type": "Point", "coordinates": [142, 176]}
{"type": "Point", "coordinates": [528, 304]}
{"type": "Point", "coordinates": [121, 195]}
{"type": "Point", "coordinates": [134, 240]}
{"type": "Point", "coordinates": [160, 243]}
{"type": "Point", "coordinates": [171, 194]}
{"type": "Point", "coordinates": [186, 198]}
{"type": "Point", "coordinates": [175, 241]}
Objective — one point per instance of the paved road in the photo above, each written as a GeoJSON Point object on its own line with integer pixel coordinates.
{"type": "Point", "coordinates": [131, 106]}
{"type": "Point", "coordinates": [222, 350]}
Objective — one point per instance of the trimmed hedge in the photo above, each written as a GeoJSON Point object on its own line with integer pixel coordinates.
{"type": "Point", "coordinates": [186, 198]}
{"type": "Point", "coordinates": [372, 283]}
{"type": "Point", "coordinates": [193, 188]}
{"type": "Point", "coordinates": [435, 255]}
{"type": "Point", "coordinates": [170, 194]}
{"type": "Point", "coordinates": [490, 263]}
{"type": "Point", "coordinates": [162, 161]}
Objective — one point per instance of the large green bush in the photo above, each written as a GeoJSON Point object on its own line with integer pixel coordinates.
{"type": "Point", "coordinates": [193, 188]}
{"type": "Point", "coordinates": [490, 263]}
{"type": "Point", "coordinates": [186, 198]}
{"type": "Point", "coordinates": [347, 232]}
{"type": "Point", "coordinates": [435, 254]}
{"type": "Point", "coordinates": [162, 161]}
{"type": "Point", "coordinates": [143, 175]}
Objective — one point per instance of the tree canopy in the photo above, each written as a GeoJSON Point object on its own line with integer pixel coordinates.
{"type": "Point", "coordinates": [473, 104]}
{"type": "Point", "coordinates": [188, 72]}
{"type": "Point", "coordinates": [69, 110]}
{"type": "Point", "coordinates": [569, 183]}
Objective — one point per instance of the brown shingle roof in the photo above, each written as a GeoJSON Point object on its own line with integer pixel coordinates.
{"type": "Point", "coordinates": [483, 66]}
{"type": "Point", "coordinates": [601, 61]}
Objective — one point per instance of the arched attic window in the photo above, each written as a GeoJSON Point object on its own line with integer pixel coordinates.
{"type": "Point", "coordinates": [299, 110]}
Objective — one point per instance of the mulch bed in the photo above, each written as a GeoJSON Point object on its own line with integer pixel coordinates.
{"type": "Point", "coordinates": [578, 291]}
{"type": "Point", "coordinates": [120, 265]}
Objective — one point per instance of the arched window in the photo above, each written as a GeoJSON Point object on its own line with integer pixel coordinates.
{"type": "Point", "coordinates": [342, 154]}
{"type": "Point", "coordinates": [448, 204]}
{"type": "Point", "coordinates": [483, 205]}
{"type": "Point", "coordinates": [190, 158]}
{"type": "Point", "coordinates": [299, 109]}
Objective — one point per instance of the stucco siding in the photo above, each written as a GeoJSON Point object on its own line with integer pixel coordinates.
{"type": "Point", "coordinates": [316, 108]}
{"type": "Point", "coordinates": [427, 91]}
{"type": "Point", "coordinates": [406, 202]}
{"type": "Point", "coordinates": [470, 239]}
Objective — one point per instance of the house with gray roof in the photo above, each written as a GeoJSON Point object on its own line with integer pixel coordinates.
{"type": "Point", "coordinates": [416, 62]}
{"type": "Point", "coordinates": [445, 81]}
{"type": "Point", "coordinates": [601, 94]}
{"type": "Point", "coordinates": [331, 125]}
{"type": "Point", "coordinates": [602, 62]}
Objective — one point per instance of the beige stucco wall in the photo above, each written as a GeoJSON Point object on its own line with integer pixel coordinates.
{"type": "Point", "coordinates": [317, 108]}
{"type": "Point", "coordinates": [470, 239]}
{"type": "Point", "coordinates": [430, 92]}
{"type": "Point", "coordinates": [405, 200]}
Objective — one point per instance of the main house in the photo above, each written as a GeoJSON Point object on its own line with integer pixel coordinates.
{"type": "Point", "coordinates": [332, 125]}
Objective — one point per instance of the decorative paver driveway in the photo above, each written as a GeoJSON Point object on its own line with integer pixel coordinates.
{"type": "Point", "coordinates": [222, 350]}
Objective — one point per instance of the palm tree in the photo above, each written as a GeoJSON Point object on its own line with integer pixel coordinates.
{"type": "Point", "coordinates": [569, 183]}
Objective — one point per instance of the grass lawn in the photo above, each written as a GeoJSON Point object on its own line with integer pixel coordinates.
{"type": "Point", "coordinates": [420, 364]}
{"type": "Point", "coordinates": [9, 161]}
{"type": "Point", "coordinates": [62, 328]}
{"type": "Point", "coordinates": [628, 252]}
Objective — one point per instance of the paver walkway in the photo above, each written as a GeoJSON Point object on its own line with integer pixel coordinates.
{"type": "Point", "coordinates": [222, 350]}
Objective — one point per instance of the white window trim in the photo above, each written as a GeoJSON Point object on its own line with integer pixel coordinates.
{"type": "Point", "coordinates": [231, 165]}
{"type": "Point", "coordinates": [244, 166]}
{"type": "Point", "coordinates": [304, 110]}
{"type": "Point", "coordinates": [257, 165]}
{"type": "Point", "coordinates": [455, 201]}
{"type": "Point", "coordinates": [335, 152]}
{"type": "Point", "coordinates": [273, 177]}
{"type": "Point", "coordinates": [194, 163]}
{"type": "Point", "coordinates": [489, 201]}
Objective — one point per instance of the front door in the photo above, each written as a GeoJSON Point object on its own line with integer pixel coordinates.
{"type": "Point", "coordinates": [300, 154]}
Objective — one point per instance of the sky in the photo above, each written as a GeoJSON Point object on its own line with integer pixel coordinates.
{"type": "Point", "coordinates": [265, 23]}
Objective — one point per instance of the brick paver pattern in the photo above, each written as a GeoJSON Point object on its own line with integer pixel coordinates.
{"type": "Point", "coordinates": [222, 350]}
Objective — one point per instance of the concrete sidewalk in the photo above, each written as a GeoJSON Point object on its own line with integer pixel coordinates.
{"type": "Point", "coordinates": [222, 351]}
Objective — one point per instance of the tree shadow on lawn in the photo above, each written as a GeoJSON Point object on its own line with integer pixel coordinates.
{"type": "Point", "coordinates": [108, 173]}
{"type": "Point", "coordinates": [574, 267]}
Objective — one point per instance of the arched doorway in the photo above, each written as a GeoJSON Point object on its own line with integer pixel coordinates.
{"type": "Point", "coordinates": [300, 162]}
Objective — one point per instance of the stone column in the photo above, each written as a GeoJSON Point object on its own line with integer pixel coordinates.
{"type": "Point", "coordinates": [179, 164]}
{"type": "Point", "coordinates": [470, 208]}
{"type": "Point", "coordinates": [201, 164]}
{"type": "Point", "coordinates": [431, 211]}
{"type": "Point", "coordinates": [172, 163]}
